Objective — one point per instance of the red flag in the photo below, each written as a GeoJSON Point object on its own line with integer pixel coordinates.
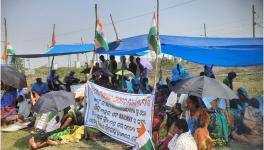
{"type": "Point", "coordinates": [53, 39]}
{"type": "Point", "coordinates": [4, 55]}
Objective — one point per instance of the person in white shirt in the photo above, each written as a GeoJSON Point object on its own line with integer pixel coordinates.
{"type": "Point", "coordinates": [183, 139]}
{"type": "Point", "coordinates": [23, 103]}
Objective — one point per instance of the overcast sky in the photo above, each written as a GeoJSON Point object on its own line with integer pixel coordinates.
{"type": "Point", "coordinates": [29, 22]}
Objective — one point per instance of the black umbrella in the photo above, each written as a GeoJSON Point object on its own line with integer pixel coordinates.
{"type": "Point", "coordinates": [104, 73]}
{"type": "Point", "coordinates": [54, 101]}
{"type": "Point", "coordinates": [203, 86]}
{"type": "Point", "coordinates": [12, 77]}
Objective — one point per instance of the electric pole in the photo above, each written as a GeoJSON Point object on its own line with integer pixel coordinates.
{"type": "Point", "coordinates": [28, 63]}
{"type": "Point", "coordinates": [253, 17]}
{"type": "Point", "coordinates": [204, 30]}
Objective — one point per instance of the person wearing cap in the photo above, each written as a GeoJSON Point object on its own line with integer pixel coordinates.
{"type": "Point", "coordinates": [39, 87]}
{"type": "Point", "coordinates": [229, 79]}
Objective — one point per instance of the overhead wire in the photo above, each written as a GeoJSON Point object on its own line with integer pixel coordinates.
{"type": "Point", "coordinates": [109, 23]}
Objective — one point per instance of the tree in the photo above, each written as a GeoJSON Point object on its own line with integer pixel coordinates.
{"type": "Point", "coordinates": [19, 64]}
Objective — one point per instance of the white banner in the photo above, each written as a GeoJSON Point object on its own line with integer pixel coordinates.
{"type": "Point", "coordinates": [118, 114]}
{"type": "Point", "coordinates": [78, 90]}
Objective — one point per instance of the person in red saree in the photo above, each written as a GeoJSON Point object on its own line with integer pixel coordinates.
{"type": "Point", "coordinates": [8, 104]}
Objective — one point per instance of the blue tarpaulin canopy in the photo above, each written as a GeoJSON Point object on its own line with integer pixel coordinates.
{"type": "Point", "coordinates": [228, 52]}
{"type": "Point", "coordinates": [71, 49]}
{"type": "Point", "coordinates": [62, 49]}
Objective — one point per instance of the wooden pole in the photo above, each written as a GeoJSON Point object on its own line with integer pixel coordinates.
{"type": "Point", "coordinates": [160, 72]}
{"type": "Point", "coordinates": [123, 65]}
{"type": "Point", "coordinates": [114, 27]}
{"type": "Point", "coordinates": [70, 61]}
{"type": "Point", "coordinates": [51, 65]}
{"type": "Point", "coordinates": [89, 75]}
{"type": "Point", "coordinates": [5, 40]}
{"type": "Point", "coordinates": [157, 59]}
{"type": "Point", "coordinates": [52, 45]}
{"type": "Point", "coordinates": [48, 57]}
{"type": "Point", "coordinates": [156, 68]}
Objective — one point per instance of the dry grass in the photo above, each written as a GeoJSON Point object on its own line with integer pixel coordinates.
{"type": "Point", "coordinates": [252, 82]}
{"type": "Point", "coordinates": [19, 141]}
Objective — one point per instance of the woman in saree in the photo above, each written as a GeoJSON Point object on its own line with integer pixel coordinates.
{"type": "Point", "coordinates": [198, 120]}
{"type": "Point", "coordinates": [8, 104]}
{"type": "Point", "coordinates": [250, 131]}
{"type": "Point", "coordinates": [43, 138]}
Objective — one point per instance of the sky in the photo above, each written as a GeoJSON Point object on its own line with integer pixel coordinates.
{"type": "Point", "coordinates": [29, 22]}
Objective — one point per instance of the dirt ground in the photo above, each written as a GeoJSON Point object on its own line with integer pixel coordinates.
{"type": "Point", "coordinates": [19, 141]}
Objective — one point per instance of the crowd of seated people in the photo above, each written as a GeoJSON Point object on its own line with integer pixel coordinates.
{"type": "Point", "coordinates": [240, 121]}
{"type": "Point", "coordinates": [138, 83]}
{"type": "Point", "coordinates": [179, 121]}
{"type": "Point", "coordinates": [17, 104]}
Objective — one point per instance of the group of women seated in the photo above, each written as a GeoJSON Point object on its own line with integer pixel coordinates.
{"type": "Point", "coordinates": [197, 119]}
{"type": "Point", "coordinates": [240, 121]}
{"type": "Point", "coordinates": [50, 128]}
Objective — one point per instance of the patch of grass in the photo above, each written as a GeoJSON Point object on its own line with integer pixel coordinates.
{"type": "Point", "coordinates": [19, 141]}
{"type": "Point", "coordinates": [61, 72]}
{"type": "Point", "coordinates": [252, 82]}
{"type": "Point", "coordinates": [15, 140]}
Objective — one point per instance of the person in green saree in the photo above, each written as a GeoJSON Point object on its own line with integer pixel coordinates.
{"type": "Point", "coordinates": [45, 138]}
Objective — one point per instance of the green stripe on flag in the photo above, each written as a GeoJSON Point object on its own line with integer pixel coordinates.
{"type": "Point", "coordinates": [147, 146]}
{"type": "Point", "coordinates": [12, 52]}
{"type": "Point", "coordinates": [152, 40]}
{"type": "Point", "coordinates": [101, 40]}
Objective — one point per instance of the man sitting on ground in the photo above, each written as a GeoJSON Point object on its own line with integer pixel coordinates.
{"type": "Point", "coordinates": [53, 81]}
{"type": "Point", "coordinates": [70, 80]}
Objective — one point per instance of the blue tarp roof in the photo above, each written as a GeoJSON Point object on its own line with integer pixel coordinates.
{"type": "Point", "coordinates": [73, 48]}
{"type": "Point", "coordinates": [228, 52]}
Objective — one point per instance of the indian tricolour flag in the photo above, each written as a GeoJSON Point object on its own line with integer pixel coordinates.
{"type": "Point", "coordinates": [153, 42]}
{"type": "Point", "coordinates": [143, 139]}
{"type": "Point", "coordinates": [99, 36]}
{"type": "Point", "coordinates": [11, 51]}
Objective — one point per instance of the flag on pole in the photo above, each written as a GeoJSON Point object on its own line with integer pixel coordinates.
{"type": "Point", "coordinates": [53, 39]}
{"type": "Point", "coordinates": [11, 51]}
{"type": "Point", "coordinates": [4, 55]}
{"type": "Point", "coordinates": [143, 139]}
{"type": "Point", "coordinates": [153, 42]}
{"type": "Point", "coordinates": [99, 36]}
